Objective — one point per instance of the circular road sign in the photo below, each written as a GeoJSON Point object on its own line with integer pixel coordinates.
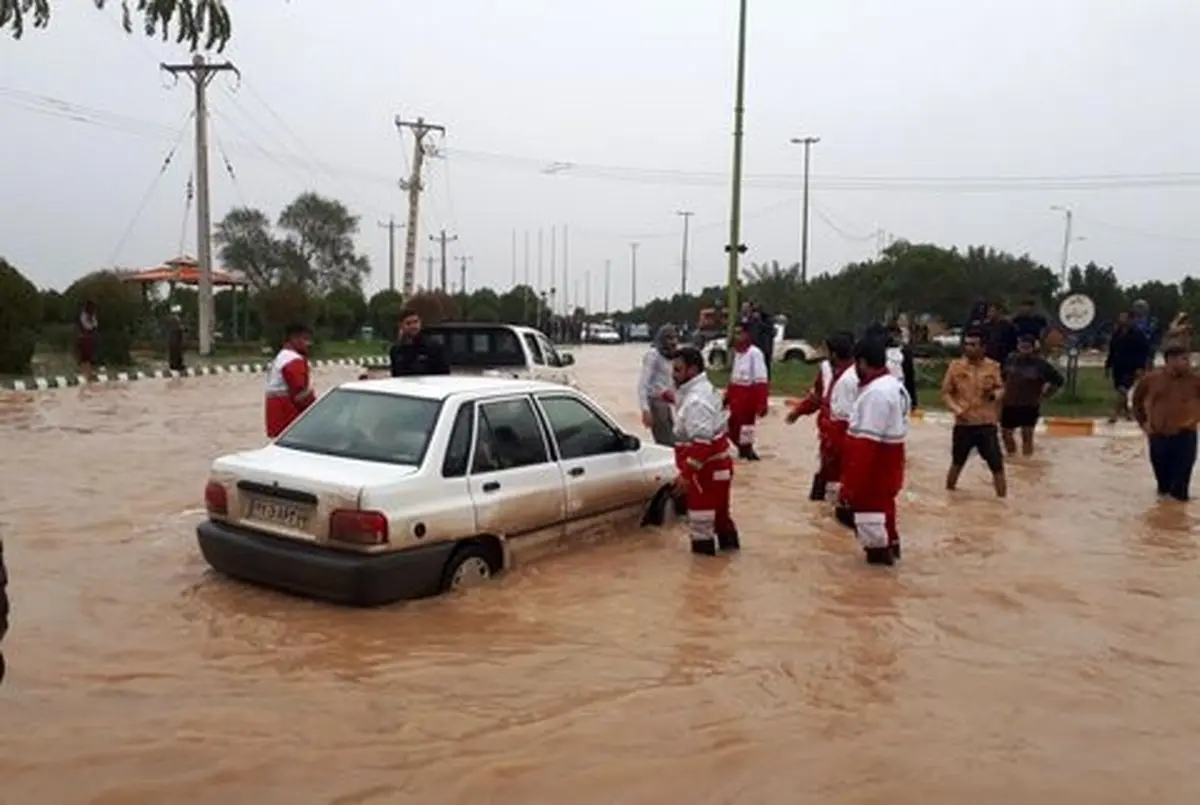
{"type": "Point", "coordinates": [1077, 312]}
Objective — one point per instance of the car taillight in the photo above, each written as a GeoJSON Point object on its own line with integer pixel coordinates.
{"type": "Point", "coordinates": [216, 500]}
{"type": "Point", "coordinates": [355, 527]}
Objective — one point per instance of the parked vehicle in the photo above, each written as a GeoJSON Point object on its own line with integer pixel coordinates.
{"type": "Point", "coordinates": [640, 332]}
{"type": "Point", "coordinates": [716, 352]}
{"type": "Point", "coordinates": [602, 334]}
{"type": "Point", "coordinates": [404, 488]}
{"type": "Point", "coordinates": [500, 350]}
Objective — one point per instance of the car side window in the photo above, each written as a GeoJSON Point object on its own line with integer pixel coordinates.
{"type": "Point", "coordinates": [535, 349]}
{"type": "Point", "coordinates": [458, 449]}
{"type": "Point", "coordinates": [509, 436]}
{"type": "Point", "coordinates": [552, 356]}
{"type": "Point", "coordinates": [578, 430]}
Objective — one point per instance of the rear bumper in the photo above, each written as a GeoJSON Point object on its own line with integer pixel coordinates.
{"type": "Point", "coordinates": [363, 580]}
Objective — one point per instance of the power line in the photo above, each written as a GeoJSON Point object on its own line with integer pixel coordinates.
{"type": "Point", "coordinates": [842, 183]}
{"type": "Point", "coordinates": [141, 207]}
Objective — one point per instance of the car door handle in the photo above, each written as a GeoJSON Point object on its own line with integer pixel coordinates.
{"type": "Point", "coordinates": [575, 472]}
{"type": "Point", "coordinates": [491, 486]}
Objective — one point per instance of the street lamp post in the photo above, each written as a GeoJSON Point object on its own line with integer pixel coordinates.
{"type": "Point", "coordinates": [808, 143]}
{"type": "Point", "coordinates": [735, 247]}
{"type": "Point", "coordinates": [1065, 260]}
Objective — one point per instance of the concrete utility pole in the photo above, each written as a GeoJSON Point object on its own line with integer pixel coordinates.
{"type": "Point", "coordinates": [391, 226]}
{"type": "Point", "coordinates": [633, 247]}
{"type": "Point", "coordinates": [428, 273]}
{"type": "Point", "coordinates": [413, 185]}
{"type": "Point", "coordinates": [201, 73]}
{"type": "Point", "coordinates": [462, 273]}
{"type": "Point", "coordinates": [735, 248]}
{"type": "Point", "coordinates": [566, 300]}
{"type": "Point", "coordinates": [539, 285]}
{"type": "Point", "coordinates": [525, 285]}
{"type": "Point", "coordinates": [608, 284]}
{"type": "Point", "coordinates": [514, 258]}
{"type": "Point", "coordinates": [553, 263]}
{"type": "Point", "coordinates": [1064, 266]}
{"type": "Point", "coordinates": [587, 293]}
{"type": "Point", "coordinates": [443, 238]}
{"type": "Point", "coordinates": [808, 143]}
{"type": "Point", "coordinates": [686, 215]}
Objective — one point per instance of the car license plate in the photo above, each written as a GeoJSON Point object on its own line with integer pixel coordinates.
{"type": "Point", "coordinates": [288, 515]}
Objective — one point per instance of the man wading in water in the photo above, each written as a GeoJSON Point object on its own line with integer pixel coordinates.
{"type": "Point", "coordinates": [972, 390]}
{"type": "Point", "coordinates": [656, 389]}
{"type": "Point", "coordinates": [830, 432]}
{"type": "Point", "coordinates": [1128, 357]}
{"type": "Point", "coordinates": [1028, 379]}
{"type": "Point", "coordinates": [1166, 404]}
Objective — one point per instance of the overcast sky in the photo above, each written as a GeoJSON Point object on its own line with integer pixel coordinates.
{"type": "Point", "coordinates": [926, 109]}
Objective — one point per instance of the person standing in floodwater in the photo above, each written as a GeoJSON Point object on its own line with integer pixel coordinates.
{"type": "Point", "coordinates": [827, 479]}
{"type": "Point", "coordinates": [289, 383]}
{"type": "Point", "coordinates": [88, 325]}
{"type": "Point", "coordinates": [702, 457]}
{"type": "Point", "coordinates": [656, 388]}
{"type": "Point", "coordinates": [3, 608]}
{"type": "Point", "coordinates": [1128, 356]}
{"type": "Point", "coordinates": [1028, 380]}
{"type": "Point", "coordinates": [175, 340]}
{"type": "Point", "coordinates": [973, 390]}
{"type": "Point", "coordinates": [1166, 404]}
{"type": "Point", "coordinates": [747, 392]}
{"type": "Point", "coordinates": [874, 455]}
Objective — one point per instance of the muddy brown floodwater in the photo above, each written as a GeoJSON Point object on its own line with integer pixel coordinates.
{"type": "Point", "coordinates": [1040, 650]}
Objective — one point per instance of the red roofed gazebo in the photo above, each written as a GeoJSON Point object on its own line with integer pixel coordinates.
{"type": "Point", "coordinates": [184, 270]}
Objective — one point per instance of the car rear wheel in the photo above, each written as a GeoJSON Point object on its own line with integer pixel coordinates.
{"type": "Point", "coordinates": [795, 355]}
{"type": "Point", "coordinates": [717, 359]}
{"type": "Point", "coordinates": [470, 566]}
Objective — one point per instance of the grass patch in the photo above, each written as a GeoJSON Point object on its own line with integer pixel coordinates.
{"type": "Point", "coordinates": [1094, 395]}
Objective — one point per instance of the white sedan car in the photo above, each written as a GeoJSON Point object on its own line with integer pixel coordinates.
{"type": "Point", "coordinates": [404, 488]}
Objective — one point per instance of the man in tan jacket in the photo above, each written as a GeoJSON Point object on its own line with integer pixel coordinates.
{"type": "Point", "coordinates": [973, 390]}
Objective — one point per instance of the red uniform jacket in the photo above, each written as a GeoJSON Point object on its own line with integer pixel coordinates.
{"type": "Point", "coordinates": [873, 450]}
{"type": "Point", "coordinates": [289, 390]}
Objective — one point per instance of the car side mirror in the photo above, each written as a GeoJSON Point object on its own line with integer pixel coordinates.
{"type": "Point", "coordinates": [567, 359]}
{"type": "Point", "coordinates": [630, 443]}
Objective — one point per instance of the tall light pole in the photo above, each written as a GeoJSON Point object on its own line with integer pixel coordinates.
{"type": "Point", "coordinates": [633, 247]}
{"type": "Point", "coordinates": [686, 216]}
{"type": "Point", "coordinates": [735, 247]}
{"type": "Point", "coordinates": [808, 143]}
{"type": "Point", "coordinates": [1068, 220]}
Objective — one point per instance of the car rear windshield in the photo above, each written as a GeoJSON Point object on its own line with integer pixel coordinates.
{"type": "Point", "coordinates": [478, 347]}
{"type": "Point", "coordinates": [366, 425]}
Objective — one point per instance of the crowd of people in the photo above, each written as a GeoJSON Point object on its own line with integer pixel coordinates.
{"type": "Point", "coordinates": [863, 396]}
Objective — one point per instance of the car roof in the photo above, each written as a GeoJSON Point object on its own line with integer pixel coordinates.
{"type": "Point", "coordinates": [479, 325]}
{"type": "Point", "coordinates": [440, 387]}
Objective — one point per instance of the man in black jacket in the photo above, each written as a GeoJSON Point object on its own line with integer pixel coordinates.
{"type": "Point", "coordinates": [3, 607]}
{"type": "Point", "coordinates": [414, 354]}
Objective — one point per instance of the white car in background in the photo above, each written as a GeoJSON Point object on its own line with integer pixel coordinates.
{"type": "Point", "coordinates": [603, 334]}
{"type": "Point", "coordinates": [404, 488]}
{"type": "Point", "coordinates": [716, 352]}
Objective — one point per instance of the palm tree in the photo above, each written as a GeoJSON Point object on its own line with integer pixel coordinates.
{"type": "Point", "coordinates": [195, 20]}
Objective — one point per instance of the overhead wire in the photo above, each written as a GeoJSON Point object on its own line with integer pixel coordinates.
{"type": "Point", "coordinates": [141, 208]}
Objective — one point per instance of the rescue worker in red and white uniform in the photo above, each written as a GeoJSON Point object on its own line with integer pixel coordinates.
{"type": "Point", "coordinates": [873, 455]}
{"type": "Point", "coordinates": [747, 392]}
{"type": "Point", "coordinates": [840, 348]}
{"type": "Point", "coordinates": [702, 456]}
{"type": "Point", "coordinates": [289, 385]}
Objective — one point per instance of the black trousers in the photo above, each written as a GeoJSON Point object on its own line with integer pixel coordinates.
{"type": "Point", "coordinates": [1172, 458]}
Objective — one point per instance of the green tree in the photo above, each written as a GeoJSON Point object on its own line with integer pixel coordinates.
{"type": "Point", "coordinates": [314, 247]}
{"type": "Point", "coordinates": [383, 313]}
{"type": "Point", "coordinates": [345, 311]}
{"type": "Point", "coordinates": [20, 318]}
{"type": "Point", "coordinates": [194, 20]}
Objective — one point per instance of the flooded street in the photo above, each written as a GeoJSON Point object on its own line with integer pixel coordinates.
{"type": "Point", "coordinates": [1045, 649]}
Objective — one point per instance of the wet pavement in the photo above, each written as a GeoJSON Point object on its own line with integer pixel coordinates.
{"type": "Point", "coordinates": [1044, 649]}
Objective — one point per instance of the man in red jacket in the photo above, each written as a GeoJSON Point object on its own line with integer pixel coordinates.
{"type": "Point", "coordinates": [873, 455]}
{"type": "Point", "coordinates": [747, 392]}
{"type": "Point", "coordinates": [289, 386]}
{"type": "Point", "coordinates": [840, 347]}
